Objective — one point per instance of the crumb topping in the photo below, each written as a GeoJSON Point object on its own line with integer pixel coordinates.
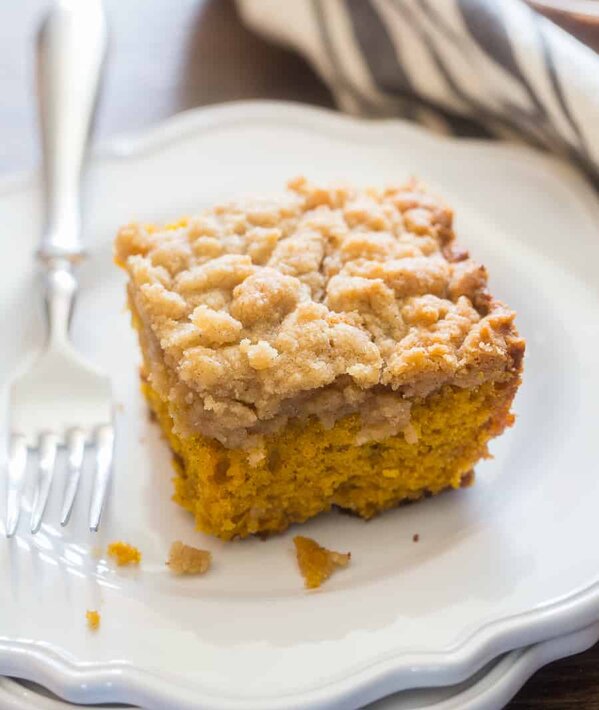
{"type": "Point", "coordinates": [184, 559]}
{"type": "Point", "coordinates": [316, 563]}
{"type": "Point", "coordinates": [123, 553]}
{"type": "Point", "coordinates": [322, 300]}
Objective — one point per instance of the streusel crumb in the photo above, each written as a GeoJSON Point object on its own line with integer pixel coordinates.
{"type": "Point", "coordinates": [322, 301]}
{"type": "Point", "coordinates": [184, 559]}
{"type": "Point", "coordinates": [316, 563]}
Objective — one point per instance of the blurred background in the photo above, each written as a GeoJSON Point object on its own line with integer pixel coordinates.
{"type": "Point", "coordinates": [166, 56]}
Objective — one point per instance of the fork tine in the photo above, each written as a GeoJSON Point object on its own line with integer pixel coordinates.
{"type": "Point", "coordinates": [17, 464]}
{"type": "Point", "coordinates": [47, 449]}
{"type": "Point", "coordinates": [75, 451]}
{"type": "Point", "coordinates": [104, 451]}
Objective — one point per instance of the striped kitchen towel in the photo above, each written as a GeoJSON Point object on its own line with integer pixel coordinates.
{"type": "Point", "coordinates": [467, 67]}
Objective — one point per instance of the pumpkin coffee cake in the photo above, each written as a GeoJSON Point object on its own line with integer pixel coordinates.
{"type": "Point", "coordinates": [329, 346]}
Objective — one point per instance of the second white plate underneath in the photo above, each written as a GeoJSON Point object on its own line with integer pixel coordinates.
{"type": "Point", "coordinates": [490, 688]}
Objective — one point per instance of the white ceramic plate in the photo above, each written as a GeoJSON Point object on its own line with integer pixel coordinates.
{"type": "Point", "coordinates": [490, 688]}
{"type": "Point", "coordinates": [499, 566]}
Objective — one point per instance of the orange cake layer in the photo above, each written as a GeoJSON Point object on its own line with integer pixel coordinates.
{"type": "Point", "coordinates": [308, 469]}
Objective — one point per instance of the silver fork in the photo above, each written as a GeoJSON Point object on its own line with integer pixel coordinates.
{"type": "Point", "coordinates": [62, 401]}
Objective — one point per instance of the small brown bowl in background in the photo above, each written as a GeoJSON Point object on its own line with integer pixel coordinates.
{"type": "Point", "coordinates": [579, 17]}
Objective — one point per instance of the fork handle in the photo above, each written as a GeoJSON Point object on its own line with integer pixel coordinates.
{"type": "Point", "coordinates": [71, 49]}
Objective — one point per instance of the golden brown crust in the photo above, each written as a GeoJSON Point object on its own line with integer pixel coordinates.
{"type": "Point", "coordinates": [319, 301]}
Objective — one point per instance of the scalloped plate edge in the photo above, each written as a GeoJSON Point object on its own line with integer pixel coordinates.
{"type": "Point", "coordinates": [492, 689]}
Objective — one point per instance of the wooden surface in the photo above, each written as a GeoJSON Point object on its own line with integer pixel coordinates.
{"type": "Point", "coordinates": [169, 55]}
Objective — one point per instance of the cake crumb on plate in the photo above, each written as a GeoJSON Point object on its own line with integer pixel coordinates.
{"type": "Point", "coordinates": [93, 619]}
{"type": "Point", "coordinates": [124, 553]}
{"type": "Point", "coordinates": [316, 563]}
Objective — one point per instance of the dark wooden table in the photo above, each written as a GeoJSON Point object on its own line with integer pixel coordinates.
{"type": "Point", "coordinates": [170, 55]}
